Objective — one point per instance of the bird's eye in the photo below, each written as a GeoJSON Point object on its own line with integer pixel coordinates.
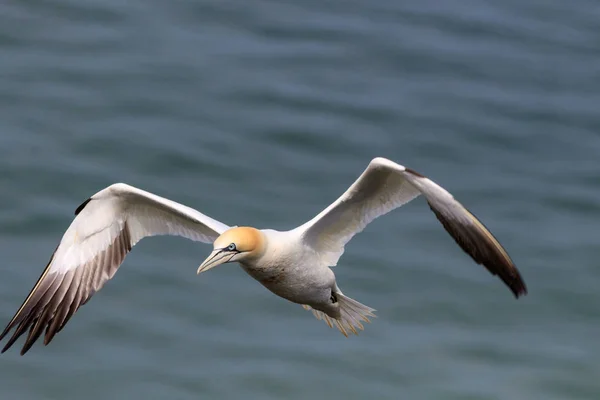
{"type": "Point", "coordinates": [231, 247]}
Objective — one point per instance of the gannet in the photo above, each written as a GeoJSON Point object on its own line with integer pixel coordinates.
{"type": "Point", "coordinates": [293, 264]}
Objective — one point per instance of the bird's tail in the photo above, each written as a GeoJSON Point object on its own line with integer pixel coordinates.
{"type": "Point", "coordinates": [351, 314]}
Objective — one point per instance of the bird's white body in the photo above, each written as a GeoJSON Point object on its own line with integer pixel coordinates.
{"type": "Point", "coordinates": [294, 264]}
{"type": "Point", "coordinates": [291, 270]}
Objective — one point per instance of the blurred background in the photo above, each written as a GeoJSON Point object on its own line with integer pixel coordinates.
{"type": "Point", "coordinates": [263, 112]}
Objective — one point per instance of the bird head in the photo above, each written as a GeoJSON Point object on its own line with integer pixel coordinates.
{"type": "Point", "coordinates": [235, 244]}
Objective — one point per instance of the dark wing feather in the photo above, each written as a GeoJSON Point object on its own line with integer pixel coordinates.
{"type": "Point", "coordinates": [469, 232]}
{"type": "Point", "coordinates": [478, 242]}
{"type": "Point", "coordinates": [56, 297]}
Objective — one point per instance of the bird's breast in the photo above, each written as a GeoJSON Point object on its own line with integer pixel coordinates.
{"type": "Point", "coordinates": [271, 275]}
{"type": "Point", "coordinates": [299, 283]}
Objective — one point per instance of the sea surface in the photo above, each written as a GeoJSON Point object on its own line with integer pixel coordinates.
{"type": "Point", "coordinates": [262, 113]}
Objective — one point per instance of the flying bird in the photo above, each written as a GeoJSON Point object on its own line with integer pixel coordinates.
{"type": "Point", "coordinates": [293, 264]}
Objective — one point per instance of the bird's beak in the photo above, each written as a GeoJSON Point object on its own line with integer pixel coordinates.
{"type": "Point", "coordinates": [217, 257]}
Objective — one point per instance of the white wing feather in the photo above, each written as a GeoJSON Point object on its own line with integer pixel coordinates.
{"type": "Point", "coordinates": [102, 219]}
{"type": "Point", "coordinates": [381, 188]}
{"type": "Point", "coordinates": [104, 230]}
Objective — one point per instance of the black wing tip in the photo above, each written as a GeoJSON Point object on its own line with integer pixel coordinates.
{"type": "Point", "coordinates": [512, 279]}
{"type": "Point", "coordinates": [509, 275]}
{"type": "Point", "coordinates": [29, 342]}
{"type": "Point", "coordinates": [415, 173]}
{"type": "Point", "coordinates": [520, 293]}
{"type": "Point", "coordinates": [499, 264]}
{"type": "Point", "coordinates": [31, 339]}
{"type": "Point", "coordinates": [3, 335]}
{"type": "Point", "coordinates": [517, 284]}
{"type": "Point", "coordinates": [5, 332]}
{"type": "Point", "coordinates": [44, 308]}
{"type": "Point", "coordinates": [27, 346]}
{"type": "Point", "coordinates": [6, 346]}
{"type": "Point", "coordinates": [82, 206]}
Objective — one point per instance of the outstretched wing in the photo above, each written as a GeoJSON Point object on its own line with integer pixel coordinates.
{"type": "Point", "coordinates": [104, 230]}
{"type": "Point", "coordinates": [384, 186]}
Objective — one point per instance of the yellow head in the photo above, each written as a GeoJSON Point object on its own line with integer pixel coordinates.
{"type": "Point", "coordinates": [235, 244]}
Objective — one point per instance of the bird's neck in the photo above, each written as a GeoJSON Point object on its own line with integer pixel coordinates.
{"type": "Point", "coordinates": [279, 248]}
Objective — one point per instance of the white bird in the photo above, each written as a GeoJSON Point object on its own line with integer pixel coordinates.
{"type": "Point", "coordinates": [293, 264]}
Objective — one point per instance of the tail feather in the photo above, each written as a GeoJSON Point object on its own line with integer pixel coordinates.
{"type": "Point", "coordinates": [351, 314]}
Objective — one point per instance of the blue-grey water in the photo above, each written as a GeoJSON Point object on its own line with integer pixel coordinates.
{"type": "Point", "coordinates": [263, 112]}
